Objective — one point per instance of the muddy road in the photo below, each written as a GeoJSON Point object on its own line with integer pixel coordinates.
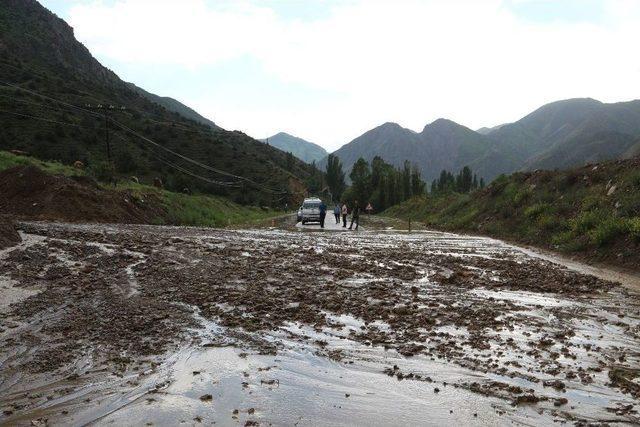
{"type": "Point", "coordinates": [135, 325]}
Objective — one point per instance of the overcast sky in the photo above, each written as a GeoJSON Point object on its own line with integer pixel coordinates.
{"type": "Point", "coordinates": [328, 70]}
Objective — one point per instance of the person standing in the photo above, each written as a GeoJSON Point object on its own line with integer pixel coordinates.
{"type": "Point", "coordinates": [336, 213]}
{"type": "Point", "coordinates": [355, 215]}
{"type": "Point", "coordinates": [323, 213]}
{"type": "Point", "coordinates": [345, 212]}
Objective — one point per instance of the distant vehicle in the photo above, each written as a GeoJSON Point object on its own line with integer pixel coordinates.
{"type": "Point", "coordinates": [311, 210]}
{"type": "Point", "coordinates": [299, 214]}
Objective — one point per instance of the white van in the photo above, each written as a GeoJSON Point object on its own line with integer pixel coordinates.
{"type": "Point", "coordinates": [311, 210]}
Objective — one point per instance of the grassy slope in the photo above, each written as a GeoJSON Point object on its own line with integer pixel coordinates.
{"type": "Point", "coordinates": [182, 209]}
{"type": "Point", "coordinates": [571, 211]}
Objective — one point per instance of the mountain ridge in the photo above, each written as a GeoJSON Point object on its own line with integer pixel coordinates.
{"type": "Point", "coordinates": [559, 134]}
{"type": "Point", "coordinates": [306, 151]}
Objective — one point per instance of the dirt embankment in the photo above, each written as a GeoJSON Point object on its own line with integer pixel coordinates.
{"type": "Point", "coordinates": [8, 234]}
{"type": "Point", "coordinates": [29, 193]}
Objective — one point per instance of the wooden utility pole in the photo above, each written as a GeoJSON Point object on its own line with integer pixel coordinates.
{"type": "Point", "coordinates": [105, 113]}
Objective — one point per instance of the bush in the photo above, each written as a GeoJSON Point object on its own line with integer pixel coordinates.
{"type": "Point", "coordinates": [550, 222]}
{"type": "Point", "coordinates": [536, 210]}
{"type": "Point", "coordinates": [586, 221]}
{"type": "Point", "coordinates": [633, 225]}
{"type": "Point", "coordinates": [521, 196]}
{"type": "Point", "coordinates": [608, 230]}
{"type": "Point", "coordinates": [466, 220]}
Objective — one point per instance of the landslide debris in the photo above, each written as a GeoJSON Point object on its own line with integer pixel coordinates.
{"type": "Point", "coordinates": [8, 234]}
{"type": "Point", "coordinates": [28, 193]}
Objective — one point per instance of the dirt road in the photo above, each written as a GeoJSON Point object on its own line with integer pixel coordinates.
{"type": "Point", "coordinates": [129, 325]}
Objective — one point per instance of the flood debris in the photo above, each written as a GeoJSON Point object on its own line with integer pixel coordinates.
{"type": "Point", "coordinates": [118, 303]}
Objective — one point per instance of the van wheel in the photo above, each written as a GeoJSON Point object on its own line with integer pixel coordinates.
{"type": "Point", "coordinates": [304, 222]}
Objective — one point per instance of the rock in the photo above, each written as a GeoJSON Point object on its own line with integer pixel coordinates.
{"type": "Point", "coordinates": [561, 401]}
{"type": "Point", "coordinates": [611, 190]}
{"type": "Point", "coordinates": [206, 398]}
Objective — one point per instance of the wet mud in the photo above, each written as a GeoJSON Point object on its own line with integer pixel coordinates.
{"type": "Point", "coordinates": [128, 325]}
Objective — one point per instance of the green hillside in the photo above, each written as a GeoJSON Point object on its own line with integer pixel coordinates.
{"type": "Point", "coordinates": [50, 90]}
{"type": "Point", "coordinates": [593, 210]}
{"type": "Point", "coordinates": [174, 208]}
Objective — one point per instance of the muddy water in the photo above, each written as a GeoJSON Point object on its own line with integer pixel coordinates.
{"type": "Point", "coordinates": [294, 328]}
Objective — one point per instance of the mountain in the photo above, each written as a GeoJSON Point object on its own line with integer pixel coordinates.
{"type": "Point", "coordinates": [176, 106]}
{"type": "Point", "coordinates": [442, 144]}
{"type": "Point", "coordinates": [487, 131]}
{"type": "Point", "coordinates": [51, 85]}
{"type": "Point", "coordinates": [304, 150]}
{"type": "Point", "coordinates": [600, 132]}
{"type": "Point", "coordinates": [558, 135]}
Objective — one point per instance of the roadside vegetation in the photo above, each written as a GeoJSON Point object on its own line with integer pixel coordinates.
{"type": "Point", "coordinates": [593, 211]}
{"type": "Point", "coordinates": [180, 209]}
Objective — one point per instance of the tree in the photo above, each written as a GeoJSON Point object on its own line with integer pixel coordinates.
{"type": "Point", "coordinates": [466, 179]}
{"type": "Point", "coordinates": [335, 176]}
{"type": "Point", "coordinates": [315, 182]}
{"type": "Point", "coordinates": [464, 182]}
{"type": "Point", "coordinates": [406, 181]}
{"type": "Point", "coordinates": [361, 178]}
{"type": "Point", "coordinates": [417, 184]}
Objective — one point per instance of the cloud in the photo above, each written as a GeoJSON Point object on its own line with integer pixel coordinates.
{"type": "Point", "coordinates": [476, 62]}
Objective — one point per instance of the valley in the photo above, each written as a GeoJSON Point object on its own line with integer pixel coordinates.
{"type": "Point", "coordinates": [153, 270]}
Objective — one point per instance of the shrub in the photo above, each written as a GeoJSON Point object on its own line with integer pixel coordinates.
{"type": "Point", "coordinates": [593, 202]}
{"type": "Point", "coordinates": [586, 221]}
{"type": "Point", "coordinates": [549, 222]}
{"type": "Point", "coordinates": [521, 196]}
{"type": "Point", "coordinates": [608, 230]}
{"type": "Point", "coordinates": [561, 239]}
{"type": "Point", "coordinates": [466, 220]}
{"type": "Point", "coordinates": [633, 225]}
{"type": "Point", "coordinates": [536, 210]}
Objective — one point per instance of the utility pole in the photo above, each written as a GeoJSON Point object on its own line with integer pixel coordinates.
{"type": "Point", "coordinates": [105, 109]}
{"type": "Point", "coordinates": [106, 136]}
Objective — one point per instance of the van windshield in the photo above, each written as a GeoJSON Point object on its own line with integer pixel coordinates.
{"type": "Point", "coordinates": [311, 205]}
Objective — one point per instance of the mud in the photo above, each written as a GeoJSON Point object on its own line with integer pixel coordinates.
{"type": "Point", "coordinates": [29, 193]}
{"type": "Point", "coordinates": [8, 234]}
{"type": "Point", "coordinates": [137, 324]}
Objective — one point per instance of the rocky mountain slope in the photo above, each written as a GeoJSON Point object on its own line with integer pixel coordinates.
{"type": "Point", "coordinates": [176, 106]}
{"type": "Point", "coordinates": [556, 136]}
{"type": "Point", "coordinates": [304, 150]}
{"type": "Point", "coordinates": [50, 87]}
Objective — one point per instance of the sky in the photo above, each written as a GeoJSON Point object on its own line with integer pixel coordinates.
{"type": "Point", "coordinates": [328, 70]}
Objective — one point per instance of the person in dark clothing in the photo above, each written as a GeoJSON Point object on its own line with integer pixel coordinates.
{"type": "Point", "coordinates": [323, 213]}
{"type": "Point", "coordinates": [355, 215]}
{"type": "Point", "coordinates": [345, 211]}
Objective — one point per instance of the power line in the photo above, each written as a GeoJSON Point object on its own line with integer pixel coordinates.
{"type": "Point", "coordinates": [181, 126]}
{"type": "Point", "coordinates": [49, 107]}
{"type": "Point", "coordinates": [43, 119]}
{"type": "Point", "coordinates": [49, 98]}
{"type": "Point", "coordinates": [184, 170]}
{"type": "Point", "coordinates": [195, 162]}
